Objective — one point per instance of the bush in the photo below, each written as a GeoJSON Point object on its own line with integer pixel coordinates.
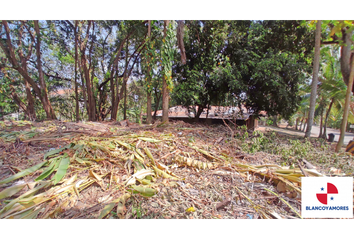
{"type": "Point", "coordinates": [269, 122]}
{"type": "Point", "coordinates": [290, 150]}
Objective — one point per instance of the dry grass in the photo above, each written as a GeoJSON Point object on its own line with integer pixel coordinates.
{"type": "Point", "coordinates": [170, 171]}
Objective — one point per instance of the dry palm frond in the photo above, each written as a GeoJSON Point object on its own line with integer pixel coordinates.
{"type": "Point", "coordinates": [184, 161]}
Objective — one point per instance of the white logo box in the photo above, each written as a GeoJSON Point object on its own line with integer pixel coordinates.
{"type": "Point", "coordinates": [327, 197]}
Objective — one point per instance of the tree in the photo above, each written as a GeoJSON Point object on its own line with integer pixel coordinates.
{"type": "Point", "coordinates": [314, 79]}
{"type": "Point", "coordinates": [270, 61]}
{"type": "Point", "coordinates": [332, 85]}
{"type": "Point", "coordinates": [7, 45]}
{"type": "Point", "coordinates": [149, 71]}
{"type": "Point", "coordinates": [76, 85]}
{"type": "Point", "coordinates": [346, 108]}
{"type": "Point", "coordinates": [205, 72]}
{"type": "Point", "coordinates": [167, 56]}
{"type": "Point", "coordinates": [102, 60]}
{"type": "Point", "coordinates": [342, 33]}
{"type": "Point", "coordinates": [166, 67]}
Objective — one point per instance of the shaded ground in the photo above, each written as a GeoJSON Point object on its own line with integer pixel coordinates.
{"type": "Point", "coordinates": [195, 172]}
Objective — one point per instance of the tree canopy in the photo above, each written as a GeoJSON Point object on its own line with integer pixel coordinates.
{"type": "Point", "coordinates": [256, 64]}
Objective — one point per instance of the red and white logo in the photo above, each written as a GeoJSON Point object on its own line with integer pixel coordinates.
{"type": "Point", "coordinates": [323, 197]}
{"type": "Point", "coordinates": [327, 197]}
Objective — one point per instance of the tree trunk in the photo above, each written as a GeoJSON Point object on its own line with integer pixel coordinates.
{"type": "Point", "coordinates": [157, 103]}
{"type": "Point", "coordinates": [31, 113]}
{"type": "Point", "coordinates": [316, 65]}
{"type": "Point", "coordinates": [148, 108]}
{"type": "Point", "coordinates": [91, 101]}
{"type": "Point", "coordinates": [91, 106]}
{"type": "Point", "coordinates": [30, 102]}
{"type": "Point", "coordinates": [18, 101]}
{"type": "Point", "coordinates": [76, 87]}
{"type": "Point", "coordinates": [346, 55]}
{"type": "Point", "coordinates": [22, 69]}
{"type": "Point", "coordinates": [113, 98]}
{"type": "Point", "coordinates": [301, 122]}
{"type": "Point", "coordinates": [198, 113]}
{"type": "Point", "coordinates": [275, 119]}
{"type": "Point", "coordinates": [326, 119]}
{"type": "Point", "coordinates": [305, 123]}
{"type": "Point", "coordinates": [126, 75]}
{"type": "Point", "coordinates": [321, 124]}
{"type": "Point", "coordinates": [44, 95]}
{"type": "Point", "coordinates": [125, 81]}
{"type": "Point", "coordinates": [296, 123]}
{"type": "Point", "coordinates": [346, 108]}
{"type": "Point", "coordinates": [125, 102]}
{"type": "Point", "coordinates": [83, 89]}
{"type": "Point", "coordinates": [180, 34]}
{"type": "Point", "coordinates": [165, 94]}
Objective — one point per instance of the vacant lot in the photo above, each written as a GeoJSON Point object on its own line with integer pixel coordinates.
{"type": "Point", "coordinates": [121, 170]}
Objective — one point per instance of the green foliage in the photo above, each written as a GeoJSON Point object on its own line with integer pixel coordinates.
{"type": "Point", "coordinates": [271, 61]}
{"type": "Point", "coordinates": [269, 122]}
{"type": "Point", "coordinates": [168, 54]}
{"type": "Point", "coordinates": [206, 72]}
{"type": "Point", "coordinates": [259, 64]}
{"type": "Point", "coordinates": [289, 150]}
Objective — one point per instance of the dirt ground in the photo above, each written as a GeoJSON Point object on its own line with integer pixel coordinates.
{"type": "Point", "coordinates": [191, 171]}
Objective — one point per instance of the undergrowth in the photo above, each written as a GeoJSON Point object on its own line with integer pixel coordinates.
{"type": "Point", "coordinates": [290, 149]}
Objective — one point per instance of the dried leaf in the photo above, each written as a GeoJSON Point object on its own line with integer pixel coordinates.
{"type": "Point", "coordinates": [195, 163]}
{"type": "Point", "coordinates": [163, 174]}
{"type": "Point", "coordinates": [281, 187]}
{"type": "Point", "coordinates": [23, 173]}
{"type": "Point", "coordinates": [143, 191]}
{"type": "Point", "coordinates": [124, 145]}
{"type": "Point", "coordinates": [32, 215]}
{"type": "Point", "coordinates": [284, 202]}
{"type": "Point", "coordinates": [138, 175]}
{"type": "Point", "coordinates": [96, 176]}
{"type": "Point", "coordinates": [206, 153]}
{"type": "Point", "coordinates": [8, 192]}
{"type": "Point", "coordinates": [121, 203]}
{"type": "Point", "coordinates": [148, 153]}
{"type": "Point", "coordinates": [149, 140]}
{"type": "Point", "coordinates": [55, 151]}
{"type": "Point", "coordinates": [107, 209]}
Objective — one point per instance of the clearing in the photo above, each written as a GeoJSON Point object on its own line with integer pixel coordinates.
{"type": "Point", "coordinates": [56, 169]}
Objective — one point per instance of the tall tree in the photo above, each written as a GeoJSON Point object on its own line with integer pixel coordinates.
{"type": "Point", "coordinates": [342, 33]}
{"type": "Point", "coordinates": [148, 101]}
{"type": "Point", "coordinates": [44, 93]}
{"type": "Point", "coordinates": [165, 90]}
{"type": "Point", "coordinates": [332, 85]}
{"type": "Point", "coordinates": [316, 65]}
{"type": "Point", "coordinates": [270, 62]}
{"type": "Point", "coordinates": [76, 85]}
{"type": "Point", "coordinates": [206, 71]}
{"type": "Point", "coordinates": [346, 108]}
{"type": "Point", "coordinates": [23, 59]}
{"type": "Point", "coordinates": [8, 49]}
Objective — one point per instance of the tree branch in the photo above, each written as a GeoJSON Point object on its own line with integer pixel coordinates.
{"type": "Point", "coordinates": [329, 42]}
